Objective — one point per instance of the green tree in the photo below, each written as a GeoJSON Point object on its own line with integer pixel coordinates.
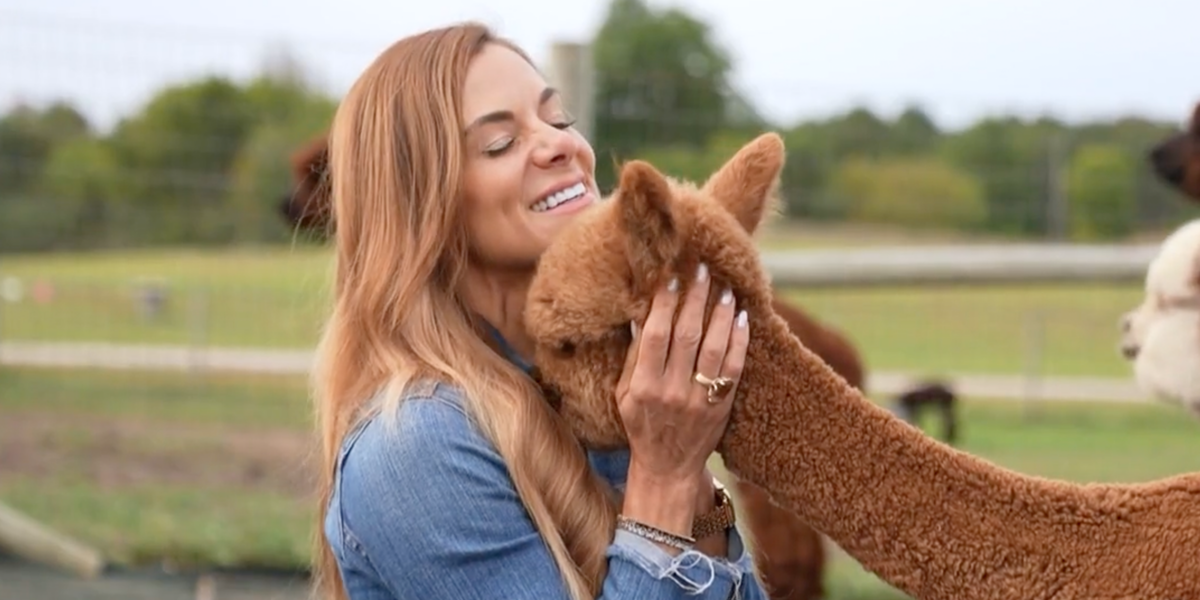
{"type": "Point", "coordinates": [913, 132]}
{"type": "Point", "coordinates": [661, 80]}
{"type": "Point", "coordinates": [80, 181]}
{"type": "Point", "coordinates": [175, 157]}
{"type": "Point", "coordinates": [909, 192]}
{"type": "Point", "coordinates": [27, 137]}
{"type": "Point", "coordinates": [1101, 188]}
{"type": "Point", "coordinates": [1012, 159]}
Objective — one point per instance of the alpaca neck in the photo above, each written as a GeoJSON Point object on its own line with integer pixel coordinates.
{"type": "Point", "coordinates": [937, 523]}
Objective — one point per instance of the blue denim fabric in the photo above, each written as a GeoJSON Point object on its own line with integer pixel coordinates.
{"type": "Point", "coordinates": [423, 508]}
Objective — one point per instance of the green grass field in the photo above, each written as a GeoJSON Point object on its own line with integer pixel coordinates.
{"type": "Point", "coordinates": [276, 297]}
{"type": "Point", "coordinates": [213, 470]}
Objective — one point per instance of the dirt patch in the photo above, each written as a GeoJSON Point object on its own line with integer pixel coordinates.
{"type": "Point", "coordinates": [114, 453]}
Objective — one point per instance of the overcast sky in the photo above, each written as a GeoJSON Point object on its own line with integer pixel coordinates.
{"type": "Point", "coordinates": [959, 58]}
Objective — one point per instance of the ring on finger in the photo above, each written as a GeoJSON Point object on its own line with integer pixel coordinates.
{"type": "Point", "coordinates": [717, 388]}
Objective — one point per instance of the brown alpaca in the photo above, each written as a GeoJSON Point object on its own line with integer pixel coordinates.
{"type": "Point", "coordinates": [932, 521]}
{"type": "Point", "coordinates": [1176, 159]}
{"type": "Point", "coordinates": [308, 207]}
{"type": "Point", "coordinates": [932, 395]}
{"type": "Point", "coordinates": [790, 555]}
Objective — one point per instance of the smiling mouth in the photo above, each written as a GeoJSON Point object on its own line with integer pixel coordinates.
{"type": "Point", "coordinates": [560, 198]}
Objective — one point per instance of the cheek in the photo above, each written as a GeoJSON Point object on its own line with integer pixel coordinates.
{"type": "Point", "coordinates": [491, 186]}
{"type": "Point", "coordinates": [491, 199]}
{"type": "Point", "coordinates": [584, 153]}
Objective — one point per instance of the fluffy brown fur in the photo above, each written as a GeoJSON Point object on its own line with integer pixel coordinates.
{"type": "Point", "coordinates": [790, 555]}
{"type": "Point", "coordinates": [931, 520]}
{"type": "Point", "coordinates": [1176, 159]}
{"type": "Point", "coordinates": [309, 206]}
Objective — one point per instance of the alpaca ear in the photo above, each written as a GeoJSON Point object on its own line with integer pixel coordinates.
{"type": "Point", "coordinates": [747, 185]}
{"type": "Point", "coordinates": [651, 229]}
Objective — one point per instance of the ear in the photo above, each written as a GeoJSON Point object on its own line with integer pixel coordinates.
{"type": "Point", "coordinates": [747, 185]}
{"type": "Point", "coordinates": [651, 228]}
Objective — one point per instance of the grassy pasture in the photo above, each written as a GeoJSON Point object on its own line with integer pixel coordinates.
{"type": "Point", "coordinates": [214, 469]}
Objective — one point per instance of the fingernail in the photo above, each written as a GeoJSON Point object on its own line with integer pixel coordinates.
{"type": "Point", "coordinates": [673, 285]}
{"type": "Point", "coordinates": [701, 272]}
{"type": "Point", "coordinates": [633, 329]}
{"type": "Point", "coordinates": [742, 319]}
{"type": "Point", "coordinates": [727, 297]}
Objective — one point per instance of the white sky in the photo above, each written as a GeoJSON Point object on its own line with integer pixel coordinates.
{"type": "Point", "coordinates": [959, 58]}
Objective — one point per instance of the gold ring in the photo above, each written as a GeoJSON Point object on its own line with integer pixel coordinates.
{"type": "Point", "coordinates": [717, 388]}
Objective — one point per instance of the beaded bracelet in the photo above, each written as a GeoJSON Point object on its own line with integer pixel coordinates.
{"type": "Point", "coordinates": [655, 534]}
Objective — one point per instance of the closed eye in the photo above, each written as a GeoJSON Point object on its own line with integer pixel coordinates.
{"type": "Point", "coordinates": [501, 146]}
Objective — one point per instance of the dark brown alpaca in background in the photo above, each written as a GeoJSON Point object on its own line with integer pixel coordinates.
{"type": "Point", "coordinates": [789, 554]}
{"type": "Point", "coordinates": [1176, 159]}
{"type": "Point", "coordinates": [930, 395]}
{"type": "Point", "coordinates": [306, 207]}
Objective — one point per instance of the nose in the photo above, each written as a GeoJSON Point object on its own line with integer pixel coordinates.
{"type": "Point", "coordinates": [1129, 351]}
{"type": "Point", "coordinates": [555, 148]}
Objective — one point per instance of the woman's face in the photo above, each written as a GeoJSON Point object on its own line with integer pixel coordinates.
{"type": "Point", "coordinates": [527, 171]}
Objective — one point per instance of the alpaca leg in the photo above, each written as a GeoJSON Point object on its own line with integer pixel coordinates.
{"type": "Point", "coordinates": [788, 554]}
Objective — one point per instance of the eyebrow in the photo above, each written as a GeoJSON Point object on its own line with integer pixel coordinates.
{"type": "Point", "coordinates": [507, 115]}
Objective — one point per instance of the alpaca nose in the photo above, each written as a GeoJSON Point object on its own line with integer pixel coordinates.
{"type": "Point", "coordinates": [1129, 351]}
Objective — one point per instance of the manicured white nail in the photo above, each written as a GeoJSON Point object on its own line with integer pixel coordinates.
{"type": "Point", "coordinates": [727, 297]}
{"type": "Point", "coordinates": [633, 329]}
{"type": "Point", "coordinates": [742, 319]}
{"type": "Point", "coordinates": [702, 272]}
{"type": "Point", "coordinates": [673, 285]}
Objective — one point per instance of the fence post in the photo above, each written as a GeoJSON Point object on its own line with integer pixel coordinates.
{"type": "Point", "coordinates": [3, 302]}
{"type": "Point", "coordinates": [571, 71]}
{"type": "Point", "coordinates": [197, 324]}
{"type": "Point", "coordinates": [1035, 348]}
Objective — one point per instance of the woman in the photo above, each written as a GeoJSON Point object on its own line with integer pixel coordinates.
{"type": "Point", "coordinates": [446, 473]}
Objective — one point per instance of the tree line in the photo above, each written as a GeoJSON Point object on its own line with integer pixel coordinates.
{"type": "Point", "coordinates": [204, 162]}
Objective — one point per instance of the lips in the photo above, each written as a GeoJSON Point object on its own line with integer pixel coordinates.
{"type": "Point", "coordinates": [560, 197]}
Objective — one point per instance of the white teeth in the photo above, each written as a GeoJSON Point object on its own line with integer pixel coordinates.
{"type": "Point", "coordinates": [559, 197]}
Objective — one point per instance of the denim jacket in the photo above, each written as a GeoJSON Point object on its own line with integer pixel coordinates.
{"type": "Point", "coordinates": [423, 508]}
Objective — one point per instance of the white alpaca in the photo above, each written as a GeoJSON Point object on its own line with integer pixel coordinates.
{"type": "Point", "coordinates": [1162, 335]}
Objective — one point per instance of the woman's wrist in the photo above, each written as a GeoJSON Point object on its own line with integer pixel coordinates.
{"type": "Point", "coordinates": [668, 504]}
{"type": "Point", "coordinates": [706, 496]}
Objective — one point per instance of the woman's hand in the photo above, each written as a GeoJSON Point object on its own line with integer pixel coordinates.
{"type": "Point", "coordinates": [672, 424]}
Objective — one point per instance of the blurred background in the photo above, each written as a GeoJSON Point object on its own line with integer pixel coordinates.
{"type": "Point", "coordinates": [157, 312]}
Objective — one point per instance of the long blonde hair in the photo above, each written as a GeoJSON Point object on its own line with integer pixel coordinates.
{"type": "Point", "coordinates": [401, 251]}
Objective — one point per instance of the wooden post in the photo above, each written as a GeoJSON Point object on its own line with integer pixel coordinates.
{"type": "Point", "coordinates": [28, 539]}
{"type": "Point", "coordinates": [570, 70]}
{"type": "Point", "coordinates": [1035, 347]}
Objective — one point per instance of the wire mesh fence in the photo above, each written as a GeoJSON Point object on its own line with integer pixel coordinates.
{"type": "Point", "coordinates": [154, 400]}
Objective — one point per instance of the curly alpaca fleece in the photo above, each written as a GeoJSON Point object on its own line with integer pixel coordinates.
{"type": "Point", "coordinates": [1161, 336]}
{"type": "Point", "coordinates": [789, 556]}
{"type": "Point", "coordinates": [933, 521]}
